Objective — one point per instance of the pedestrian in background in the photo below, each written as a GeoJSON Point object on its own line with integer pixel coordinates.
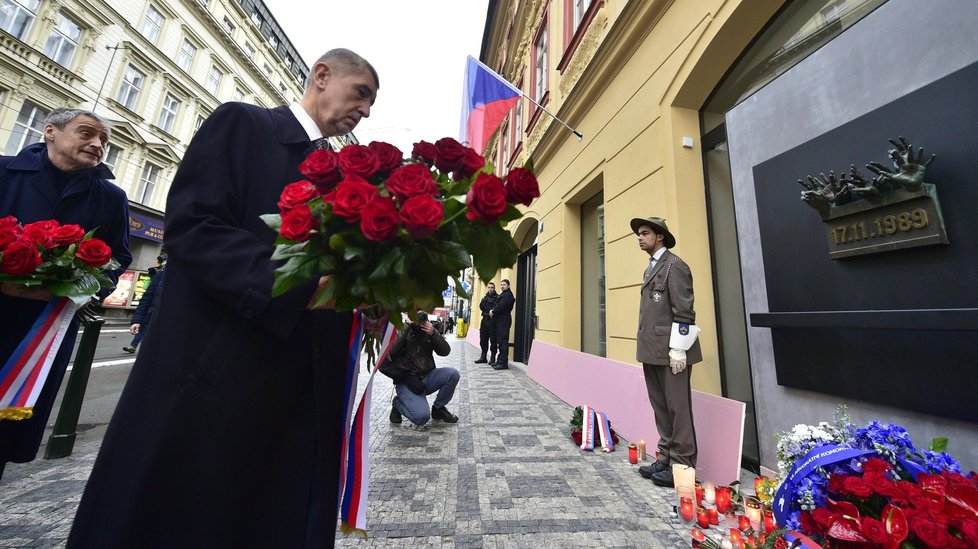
{"type": "Point", "coordinates": [502, 319]}
{"type": "Point", "coordinates": [61, 179]}
{"type": "Point", "coordinates": [487, 338]}
{"type": "Point", "coordinates": [144, 311]}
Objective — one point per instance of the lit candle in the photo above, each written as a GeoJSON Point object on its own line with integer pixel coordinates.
{"type": "Point", "coordinates": [698, 537]}
{"type": "Point", "coordinates": [702, 517]}
{"type": "Point", "coordinates": [713, 515]}
{"type": "Point", "coordinates": [632, 454]}
{"type": "Point", "coordinates": [752, 508]}
{"type": "Point", "coordinates": [709, 493]}
{"type": "Point", "coordinates": [743, 522]}
{"type": "Point", "coordinates": [769, 525]}
{"type": "Point", "coordinates": [686, 509]}
{"type": "Point", "coordinates": [723, 498]}
{"type": "Point", "coordinates": [699, 493]}
{"type": "Point", "coordinates": [641, 450]}
{"type": "Point", "coordinates": [736, 536]}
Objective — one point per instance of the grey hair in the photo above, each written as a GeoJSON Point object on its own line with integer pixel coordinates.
{"type": "Point", "coordinates": [60, 117]}
{"type": "Point", "coordinates": [347, 61]}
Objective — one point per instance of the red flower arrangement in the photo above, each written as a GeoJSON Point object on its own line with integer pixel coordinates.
{"type": "Point", "coordinates": [63, 259]}
{"type": "Point", "coordinates": [391, 231]}
{"type": "Point", "coordinates": [879, 509]}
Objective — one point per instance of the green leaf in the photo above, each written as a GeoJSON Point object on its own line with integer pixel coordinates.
{"type": "Point", "coordinates": [459, 289]}
{"type": "Point", "coordinates": [491, 246]}
{"type": "Point", "coordinates": [939, 444]}
{"type": "Point", "coordinates": [84, 286]}
{"type": "Point", "coordinates": [529, 164]}
{"type": "Point", "coordinates": [61, 261]}
{"type": "Point", "coordinates": [328, 294]}
{"type": "Point", "coordinates": [327, 264]}
{"type": "Point", "coordinates": [296, 271]}
{"type": "Point", "coordinates": [383, 269]}
{"type": "Point", "coordinates": [512, 213]}
{"type": "Point", "coordinates": [274, 221]}
{"type": "Point", "coordinates": [285, 251]}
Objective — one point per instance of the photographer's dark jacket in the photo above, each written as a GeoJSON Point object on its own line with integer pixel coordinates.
{"type": "Point", "coordinates": [417, 346]}
{"type": "Point", "coordinates": [487, 303]}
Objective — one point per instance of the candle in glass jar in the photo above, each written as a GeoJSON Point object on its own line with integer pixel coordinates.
{"type": "Point", "coordinates": [723, 498]}
{"type": "Point", "coordinates": [698, 537]}
{"type": "Point", "coordinates": [702, 517]}
{"type": "Point", "coordinates": [752, 508]}
{"type": "Point", "coordinates": [632, 454]}
{"type": "Point", "coordinates": [743, 522]}
{"type": "Point", "coordinates": [713, 516]}
{"type": "Point", "coordinates": [699, 493]}
{"type": "Point", "coordinates": [686, 509]}
{"type": "Point", "coordinates": [709, 493]}
{"type": "Point", "coordinates": [736, 536]}
{"type": "Point", "coordinates": [769, 525]}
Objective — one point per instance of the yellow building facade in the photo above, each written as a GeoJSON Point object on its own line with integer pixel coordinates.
{"type": "Point", "coordinates": [650, 84]}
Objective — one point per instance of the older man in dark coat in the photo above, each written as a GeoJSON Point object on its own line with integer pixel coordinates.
{"type": "Point", "coordinates": [228, 431]}
{"type": "Point", "coordinates": [61, 179]}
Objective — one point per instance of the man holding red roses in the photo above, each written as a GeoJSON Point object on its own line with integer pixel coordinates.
{"type": "Point", "coordinates": [53, 189]}
{"type": "Point", "coordinates": [228, 432]}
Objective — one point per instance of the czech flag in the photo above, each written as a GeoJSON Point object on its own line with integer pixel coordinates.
{"type": "Point", "coordinates": [486, 99]}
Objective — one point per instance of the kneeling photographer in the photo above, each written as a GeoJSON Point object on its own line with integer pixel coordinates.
{"type": "Point", "coordinates": [411, 365]}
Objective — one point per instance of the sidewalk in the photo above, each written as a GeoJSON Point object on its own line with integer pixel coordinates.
{"type": "Point", "coordinates": [507, 475]}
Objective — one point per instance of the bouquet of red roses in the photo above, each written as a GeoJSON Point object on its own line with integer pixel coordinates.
{"type": "Point", "coordinates": [390, 232]}
{"type": "Point", "coordinates": [63, 259]}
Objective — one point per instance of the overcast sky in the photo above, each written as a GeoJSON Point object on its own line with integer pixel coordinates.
{"type": "Point", "coordinates": [417, 46]}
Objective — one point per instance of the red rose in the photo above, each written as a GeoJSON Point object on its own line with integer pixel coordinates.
{"type": "Point", "coordinates": [521, 186]}
{"type": "Point", "coordinates": [10, 230]}
{"type": "Point", "coordinates": [883, 486]}
{"type": "Point", "coordinates": [857, 487]}
{"type": "Point", "coordinates": [388, 155]}
{"type": "Point", "coordinates": [932, 533]}
{"type": "Point", "coordinates": [410, 180]}
{"type": "Point", "coordinates": [421, 215]}
{"type": "Point", "coordinates": [350, 196]}
{"type": "Point", "coordinates": [969, 529]}
{"type": "Point", "coordinates": [358, 160]}
{"type": "Point", "coordinates": [837, 483]}
{"type": "Point", "coordinates": [297, 194]}
{"type": "Point", "coordinates": [424, 151]}
{"type": "Point", "coordinates": [876, 466]}
{"type": "Point", "coordinates": [67, 234]}
{"type": "Point", "coordinates": [322, 168]}
{"type": "Point", "coordinates": [448, 154]}
{"type": "Point", "coordinates": [20, 257]}
{"type": "Point", "coordinates": [486, 199]}
{"type": "Point", "coordinates": [297, 224]}
{"type": "Point", "coordinates": [471, 163]}
{"type": "Point", "coordinates": [40, 232]}
{"type": "Point", "coordinates": [93, 252]}
{"type": "Point", "coordinates": [873, 530]}
{"type": "Point", "coordinates": [379, 219]}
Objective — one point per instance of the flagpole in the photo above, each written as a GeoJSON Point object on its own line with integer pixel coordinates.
{"type": "Point", "coordinates": [579, 135]}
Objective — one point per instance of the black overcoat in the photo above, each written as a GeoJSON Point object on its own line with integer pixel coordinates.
{"type": "Point", "coordinates": [235, 395]}
{"type": "Point", "coordinates": [28, 192]}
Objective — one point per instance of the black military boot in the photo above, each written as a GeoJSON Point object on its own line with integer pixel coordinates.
{"type": "Point", "coordinates": [395, 413]}
{"type": "Point", "coordinates": [443, 414]}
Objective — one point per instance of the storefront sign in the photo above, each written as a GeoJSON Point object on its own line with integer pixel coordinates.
{"type": "Point", "coordinates": [144, 227]}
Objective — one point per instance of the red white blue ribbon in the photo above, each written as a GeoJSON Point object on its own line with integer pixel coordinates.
{"type": "Point", "coordinates": [593, 418]}
{"type": "Point", "coordinates": [355, 459]}
{"type": "Point", "coordinates": [25, 371]}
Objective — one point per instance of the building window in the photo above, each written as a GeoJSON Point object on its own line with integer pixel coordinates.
{"type": "Point", "coordinates": [593, 321]}
{"type": "Point", "coordinates": [17, 16]}
{"type": "Point", "coordinates": [152, 24]}
{"type": "Point", "coordinates": [580, 8]}
{"type": "Point", "coordinates": [518, 121]}
{"type": "Point", "coordinates": [168, 113]}
{"type": "Point", "coordinates": [28, 129]}
{"type": "Point", "coordinates": [228, 25]}
{"type": "Point", "coordinates": [147, 183]}
{"type": "Point", "coordinates": [111, 159]}
{"type": "Point", "coordinates": [238, 95]}
{"type": "Point", "coordinates": [282, 87]}
{"type": "Point", "coordinates": [540, 72]}
{"type": "Point", "coordinates": [132, 82]}
{"type": "Point", "coordinates": [214, 80]}
{"type": "Point", "coordinates": [273, 41]}
{"type": "Point", "coordinates": [63, 42]}
{"type": "Point", "coordinates": [250, 50]}
{"type": "Point", "coordinates": [199, 123]}
{"type": "Point", "coordinates": [257, 19]}
{"type": "Point", "coordinates": [186, 57]}
{"type": "Point", "coordinates": [268, 70]}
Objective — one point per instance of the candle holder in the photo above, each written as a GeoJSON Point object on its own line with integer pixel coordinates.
{"type": "Point", "coordinates": [723, 495]}
{"type": "Point", "coordinates": [713, 516]}
{"type": "Point", "coordinates": [769, 524]}
{"type": "Point", "coordinates": [632, 454]}
{"type": "Point", "coordinates": [709, 493]}
{"type": "Point", "coordinates": [686, 508]}
{"type": "Point", "coordinates": [641, 450]}
{"type": "Point", "coordinates": [743, 522]}
{"type": "Point", "coordinates": [752, 508]}
{"type": "Point", "coordinates": [702, 517]}
{"type": "Point", "coordinates": [698, 486]}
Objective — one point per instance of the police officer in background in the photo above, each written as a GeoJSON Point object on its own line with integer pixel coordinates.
{"type": "Point", "coordinates": [487, 334]}
{"type": "Point", "coordinates": [502, 319]}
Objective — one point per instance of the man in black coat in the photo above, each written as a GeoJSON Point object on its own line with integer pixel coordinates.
{"type": "Point", "coordinates": [486, 335]}
{"type": "Point", "coordinates": [61, 179]}
{"type": "Point", "coordinates": [502, 316]}
{"type": "Point", "coordinates": [228, 431]}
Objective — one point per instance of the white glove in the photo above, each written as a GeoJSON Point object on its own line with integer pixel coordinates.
{"type": "Point", "coordinates": [677, 360]}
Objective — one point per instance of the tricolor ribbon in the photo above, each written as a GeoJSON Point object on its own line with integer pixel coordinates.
{"type": "Point", "coordinates": [590, 418]}
{"type": "Point", "coordinates": [25, 371]}
{"type": "Point", "coordinates": [354, 457]}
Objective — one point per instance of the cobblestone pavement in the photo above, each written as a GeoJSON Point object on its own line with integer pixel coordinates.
{"type": "Point", "coordinates": [507, 475]}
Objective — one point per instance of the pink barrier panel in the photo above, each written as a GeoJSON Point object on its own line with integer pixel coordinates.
{"type": "Point", "coordinates": [618, 389]}
{"type": "Point", "coordinates": [472, 337]}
